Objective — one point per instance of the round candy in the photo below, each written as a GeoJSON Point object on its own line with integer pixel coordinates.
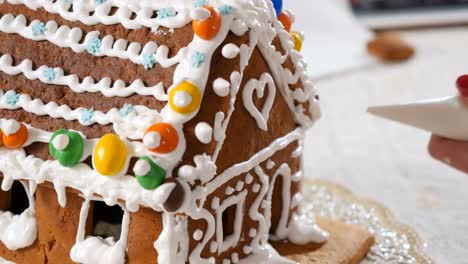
{"type": "Point", "coordinates": [168, 138]}
{"type": "Point", "coordinates": [67, 147]}
{"type": "Point", "coordinates": [17, 139]}
{"type": "Point", "coordinates": [462, 85]}
{"type": "Point", "coordinates": [208, 29]}
{"type": "Point", "coordinates": [278, 4]}
{"type": "Point", "coordinates": [1, 135]}
{"type": "Point", "coordinates": [148, 174]}
{"type": "Point", "coordinates": [297, 41]}
{"type": "Point", "coordinates": [286, 20]}
{"type": "Point", "coordinates": [185, 98]}
{"type": "Point", "coordinates": [110, 155]}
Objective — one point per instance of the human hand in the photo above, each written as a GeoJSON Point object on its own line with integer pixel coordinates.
{"type": "Point", "coordinates": [452, 152]}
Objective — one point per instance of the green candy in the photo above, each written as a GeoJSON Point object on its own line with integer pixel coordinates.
{"type": "Point", "coordinates": [153, 178]}
{"type": "Point", "coordinates": [72, 153]}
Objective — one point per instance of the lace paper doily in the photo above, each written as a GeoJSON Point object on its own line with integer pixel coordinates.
{"type": "Point", "coordinates": [395, 242]}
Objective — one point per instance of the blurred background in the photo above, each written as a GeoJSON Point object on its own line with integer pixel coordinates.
{"type": "Point", "coordinates": [363, 53]}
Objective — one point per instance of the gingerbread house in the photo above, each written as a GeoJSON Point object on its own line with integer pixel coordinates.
{"type": "Point", "coordinates": [151, 131]}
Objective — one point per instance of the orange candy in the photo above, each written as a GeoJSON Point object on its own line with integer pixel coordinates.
{"type": "Point", "coordinates": [17, 139]}
{"type": "Point", "coordinates": [209, 28]}
{"type": "Point", "coordinates": [286, 20]}
{"type": "Point", "coordinates": [169, 137]}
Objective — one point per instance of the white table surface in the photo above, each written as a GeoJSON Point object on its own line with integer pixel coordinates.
{"type": "Point", "coordinates": [388, 162]}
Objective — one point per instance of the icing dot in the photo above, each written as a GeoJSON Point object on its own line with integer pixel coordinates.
{"type": "Point", "coordinates": [152, 140]}
{"type": "Point", "coordinates": [215, 203]}
{"type": "Point", "coordinates": [169, 138]}
{"type": "Point", "coordinates": [208, 29]}
{"type": "Point", "coordinates": [110, 155]}
{"type": "Point", "coordinates": [239, 186]}
{"type": "Point", "coordinates": [142, 167]}
{"type": "Point", "coordinates": [198, 59]}
{"type": "Point", "coordinates": [148, 61]}
{"type": "Point", "coordinates": [182, 99]}
{"type": "Point", "coordinates": [462, 85]}
{"type": "Point", "coordinates": [11, 98]}
{"type": "Point", "coordinates": [221, 87]}
{"type": "Point", "coordinates": [10, 127]}
{"type": "Point", "coordinates": [49, 74]}
{"type": "Point", "coordinates": [249, 179]}
{"type": "Point", "coordinates": [187, 172]}
{"type": "Point", "coordinates": [204, 132]}
{"type": "Point", "coordinates": [61, 142]}
{"type": "Point", "coordinates": [200, 14]}
{"type": "Point", "coordinates": [198, 235]}
{"type": "Point", "coordinates": [226, 10]}
{"type": "Point", "coordinates": [87, 116]}
{"type": "Point", "coordinates": [247, 250]}
{"type": "Point", "coordinates": [166, 13]}
{"type": "Point", "coordinates": [213, 246]}
{"type": "Point", "coordinates": [38, 29]}
{"type": "Point", "coordinates": [230, 51]}
{"type": "Point", "coordinates": [235, 257]}
{"type": "Point", "coordinates": [16, 139]}
{"type": "Point", "coordinates": [229, 190]}
{"type": "Point", "coordinates": [256, 188]}
{"type": "Point", "coordinates": [252, 232]}
{"type": "Point", "coordinates": [178, 105]}
{"type": "Point", "coordinates": [200, 3]}
{"type": "Point", "coordinates": [94, 46]}
{"type": "Point", "coordinates": [126, 110]}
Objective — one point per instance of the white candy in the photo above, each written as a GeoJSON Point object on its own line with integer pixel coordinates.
{"type": "Point", "coordinates": [61, 142]}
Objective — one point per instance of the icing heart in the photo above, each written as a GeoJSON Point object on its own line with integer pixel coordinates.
{"type": "Point", "coordinates": [266, 81]}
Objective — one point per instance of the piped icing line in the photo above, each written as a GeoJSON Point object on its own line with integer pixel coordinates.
{"type": "Point", "coordinates": [94, 249]}
{"type": "Point", "coordinates": [66, 37]}
{"type": "Point", "coordinates": [101, 13]}
{"type": "Point", "coordinates": [54, 110]}
{"type": "Point", "coordinates": [57, 76]}
{"type": "Point", "coordinates": [19, 231]}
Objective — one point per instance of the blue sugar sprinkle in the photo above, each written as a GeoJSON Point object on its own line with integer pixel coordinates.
{"type": "Point", "coordinates": [166, 13]}
{"type": "Point", "coordinates": [226, 10]}
{"type": "Point", "coordinates": [94, 45]}
{"type": "Point", "coordinates": [38, 29]}
{"type": "Point", "coordinates": [200, 3]}
{"type": "Point", "coordinates": [12, 98]}
{"type": "Point", "coordinates": [100, 2]}
{"type": "Point", "coordinates": [126, 110]}
{"type": "Point", "coordinates": [87, 116]}
{"type": "Point", "coordinates": [198, 59]}
{"type": "Point", "coordinates": [49, 74]}
{"type": "Point", "coordinates": [148, 61]}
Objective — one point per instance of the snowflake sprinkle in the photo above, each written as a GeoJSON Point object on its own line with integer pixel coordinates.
{"type": "Point", "coordinates": [226, 10]}
{"type": "Point", "coordinates": [198, 59]}
{"type": "Point", "coordinates": [200, 3]}
{"type": "Point", "coordinates": [38, 29]}
{"type": "Point", "coordinates": [87, 116]}
{"type": "Point", "coordinates": [148, 61]}
{"type": "Point", "coordinates": [126, 110]}
{"type": "Point", "coordinates": [94, 45]}
{"type": "Point", "coordinates": [12, 98]}
{"type": "Point", "coordinates": [100, 2]}
{"type": "Point", "coordinates": [49, 74]}
{"type": "Point", "coordinates": [166, 13]}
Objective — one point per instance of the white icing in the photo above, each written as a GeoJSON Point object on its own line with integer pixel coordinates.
{"type": "Point", "coordinates": [152, 140]}
{"type": "Point", "coordinates": [221, 87]}
{"type": "Point", "coordinates": [198, 235]}
{"type": "Point", "coordinates": [230, 51]}
{"type": "Point", "coordinates": [142, 167]}
{"type": "Point", "coordinates": [302, 230]}
{"type": "Point", "coordinates": [9, 126]}
{"type": "Point", "coordinates": [60, 142]}
{"type": "Point", "coordinates": [172, 243]}
{"type": "Point", "coordinates": [261, 116]}
{"type": "Point", "coordinates": [182, 99]}
{"type": "Point", "coordinates": [200, 14]}
{"type": "Point", "coordinates": [4, 261]}
{"type": "Point", "coordinates": [204, 132]}
{"type": "Point", "coordinates": [19, 231]}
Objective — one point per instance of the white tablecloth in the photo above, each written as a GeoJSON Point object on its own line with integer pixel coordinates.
{"type": "Point", "coordinates": [388, 162]}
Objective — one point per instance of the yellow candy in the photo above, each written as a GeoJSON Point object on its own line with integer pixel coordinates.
{"type": "Point", "coordinates": [185, 98]}
{"type": "Point", "coordinates": [297, 41]}
{"type": "Point", "coordinates": [109, 155]}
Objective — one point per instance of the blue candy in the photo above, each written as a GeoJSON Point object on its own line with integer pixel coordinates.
{"type": "Point", "coordinates": [278, 6]}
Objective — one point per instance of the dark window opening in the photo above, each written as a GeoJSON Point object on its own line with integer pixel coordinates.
{"type": "Point", "coordinates": [229, 217]}
{"type": "Point", "coordinates": [107, 220]}
{"type": "Point", "coordinates": [15, 200]}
